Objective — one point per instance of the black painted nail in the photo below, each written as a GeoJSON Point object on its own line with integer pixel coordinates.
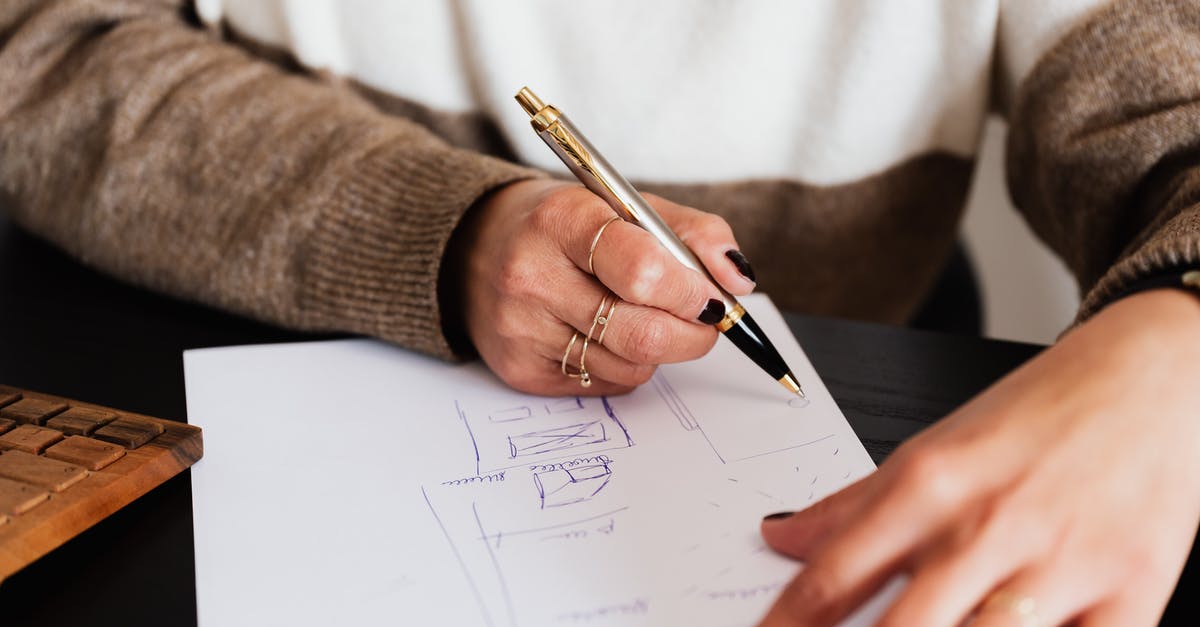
{"type": "Point", "coordinates": [743, 265]}
{"type": "Point", "coordinates": [713, 312]}
{"type": "Point", "coordinates": [778, 516]}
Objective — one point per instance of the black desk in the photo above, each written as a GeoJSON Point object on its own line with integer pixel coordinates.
{"type": "Point", "coordinates": [67, 330]}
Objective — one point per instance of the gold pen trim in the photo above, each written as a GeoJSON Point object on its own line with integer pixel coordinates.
{"type": "Point", "coordinates": [1191, 279]}
{"type": "Point", "coordinates": [545, 119]}
{"type": "Point", "coordinates": [792, 385]}
{"type": "Point", "coordinates": [731, 318]}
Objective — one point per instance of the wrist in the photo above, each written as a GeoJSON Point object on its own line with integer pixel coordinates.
{"type": "Point", "coordinates": [1155, 324]}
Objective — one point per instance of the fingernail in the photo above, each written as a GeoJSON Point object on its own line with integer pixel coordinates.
{"type": "Point", "coordinates": [713, 312]}
{"type": "Point", "coordinates": [741, 263]}
{"type": "Point", "coordinates": [778, 516]}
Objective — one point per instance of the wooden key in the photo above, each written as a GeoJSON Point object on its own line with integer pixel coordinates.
{"type": "Point", "coordinates": [80, 420]}
{"type": "Point", "coordinates": [32, 410]}
{"type": "Point", "coordinates": [128, 432]}
{"type": "Point", "coordinates": [29, 438]}
{"type": "Point", "coordinates": [18, 498]}
{"type": "Point", "coordinates": [47, 473]}
{"type": "Point", "coordinates": [6, 424]}
{"type": "Point", "coordinates": [9, 397]}
{"type": "Point", "coordinates": [86, 452]}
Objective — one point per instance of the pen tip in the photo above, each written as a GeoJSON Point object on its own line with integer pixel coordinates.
{"type": "Point", "coordinates": [789, 381]}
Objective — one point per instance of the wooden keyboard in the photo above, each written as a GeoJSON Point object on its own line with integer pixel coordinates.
{"type": "Point", "coordinates": [65, 465]}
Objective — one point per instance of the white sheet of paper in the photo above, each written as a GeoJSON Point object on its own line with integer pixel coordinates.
{"type": "Point", "coordinates": [352, 482]}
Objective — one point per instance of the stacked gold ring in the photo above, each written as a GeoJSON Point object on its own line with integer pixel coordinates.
{"type": "Point", "coordinates": [600, 319]}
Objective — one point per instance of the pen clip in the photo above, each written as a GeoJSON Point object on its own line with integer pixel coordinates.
{"type": "Point", "coordinates": [572, 147]}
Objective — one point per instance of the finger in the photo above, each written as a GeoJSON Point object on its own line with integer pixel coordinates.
{"type": "Point", "coordinates": [945, 586]}
{"type": "Point", "coordinates": [710, 237]}
{"type": "Point", "coordinates": [638, 334]}
{"type": "Point", "coordinates": [602, 364]}
{"type": "Point", "coordinates": [534, 374]}
{"type": "Point", "coordinates": [1041, 595]}
{"type": "Point", "coordinates": [851, 565]}
{"type": "Point", "coordinates": [797, 533]}
{"type": "Point", "coordinates": [902, 509]}
{"type": "Point", "coordinates": [640, 270]}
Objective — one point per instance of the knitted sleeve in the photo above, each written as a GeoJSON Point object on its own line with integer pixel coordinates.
{"type": "Point", "coordinates": [1104, 147]}
{"type": "Point", "coordinates": [147, 147]}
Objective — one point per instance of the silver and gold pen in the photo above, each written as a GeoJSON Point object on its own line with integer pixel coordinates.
{"type": "Point", "coordinates": [597, 175]}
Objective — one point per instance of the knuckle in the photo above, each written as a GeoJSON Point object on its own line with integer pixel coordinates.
{"type": "Point", "coordinates": [648, 341]}
{"type": "Point", "coordinates": [931, 475]}
{"type": "Point", "coordinates": [547, 213]}
{"type": "Point", "coordinates": [646, 278]}
{"type": "Point", "coordinates": [513, 277]}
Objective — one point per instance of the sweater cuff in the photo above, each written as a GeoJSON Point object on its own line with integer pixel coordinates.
{"type": "Point", "coordinates": [371, 264]}
{"type": "Point", "coordinates": [1175, 246]}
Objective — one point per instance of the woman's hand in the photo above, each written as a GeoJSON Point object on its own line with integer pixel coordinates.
{"type": "Point", "coordinates": [528, 288]}
{"type": "Point", "coordinates": [1074, 482]}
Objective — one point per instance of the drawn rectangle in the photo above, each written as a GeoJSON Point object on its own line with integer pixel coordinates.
{"type": "Point", "coordinates": [556, 439]}
{"type": "Point", "coordinates": [510, 414]}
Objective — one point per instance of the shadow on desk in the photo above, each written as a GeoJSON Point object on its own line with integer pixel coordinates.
{"type": "Point", "coordinates": [68, 330]}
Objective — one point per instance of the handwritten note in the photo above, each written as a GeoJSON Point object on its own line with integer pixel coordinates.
{"type": "Point", "coordinates": [351, 482]}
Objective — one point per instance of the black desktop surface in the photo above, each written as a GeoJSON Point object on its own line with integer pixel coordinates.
{"type": "Point", "coordinates": [71, 331]}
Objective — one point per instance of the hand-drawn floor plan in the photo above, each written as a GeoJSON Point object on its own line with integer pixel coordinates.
{"type": "Point", "coordinates": [554, 482]}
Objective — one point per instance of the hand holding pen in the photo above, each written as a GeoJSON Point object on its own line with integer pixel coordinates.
{"type": "Point", "coordinates": [599, 176]}
{"type": "Point", "coordinates": [521, 263]}
{"type": "Point", "coordinates": [527, 289]}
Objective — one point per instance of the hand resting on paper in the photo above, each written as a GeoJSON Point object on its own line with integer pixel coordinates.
{"type": "Point", "coordinates": [527, 288]}
{"type": "Point", "coordinates": [1073, 483]}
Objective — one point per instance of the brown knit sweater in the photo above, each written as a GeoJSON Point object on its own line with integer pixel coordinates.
{"type": "Point", "coordinates": [189, 162]}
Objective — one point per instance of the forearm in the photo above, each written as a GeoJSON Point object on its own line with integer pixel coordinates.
{"type": "Point", "coordinates": [155, 151]}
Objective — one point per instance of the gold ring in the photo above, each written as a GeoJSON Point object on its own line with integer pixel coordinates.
{"type": "Point", "coordinates": [596, 240]}
{"type": "Point", "coordinates": [585, 379]}
{"type": "Point", "coordinates": [598, 318]}
{"type": "Point", "coordinates": [605, 319]}
{"type": "Point", "coordinates": [1024, 608]}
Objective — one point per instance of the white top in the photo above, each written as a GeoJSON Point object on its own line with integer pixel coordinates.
{"type": "Point", "coordinates": [819, 91]}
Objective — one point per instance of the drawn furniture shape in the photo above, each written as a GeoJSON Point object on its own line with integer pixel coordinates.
{"type": "Point", "coordinates": [556, 439]}
{"type": "Point", "coordinates": [564, 486]}
{"type": "Point", "coordinates": [508, 433]}
{"type": "Point", "coordinates": [510, 414]}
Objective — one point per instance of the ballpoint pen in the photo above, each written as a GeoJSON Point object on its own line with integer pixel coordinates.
{"type": "Point", "coordinates": [594, 171]}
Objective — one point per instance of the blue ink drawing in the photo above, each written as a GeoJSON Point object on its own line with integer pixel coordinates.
{"type": "Point", "coordinates": [564, 486]}
{"type": "Point", "coordinates": [534, 432]}
{"type": "Point", "coordinates": [556, 439]}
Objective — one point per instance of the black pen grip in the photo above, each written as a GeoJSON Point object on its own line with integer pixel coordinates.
{"type": "Point", "coordinates": [747, 336]}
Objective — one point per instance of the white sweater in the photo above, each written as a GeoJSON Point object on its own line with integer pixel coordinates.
{"type": "Point", "coordinates": [819, 91]}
